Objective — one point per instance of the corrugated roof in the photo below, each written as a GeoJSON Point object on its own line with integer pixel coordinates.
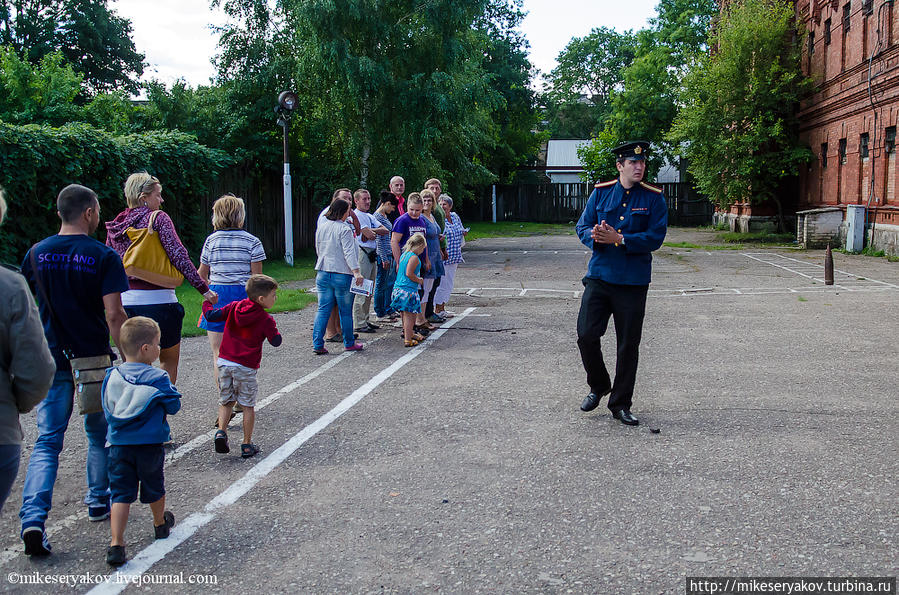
{"type": "Point", "coordinates": [563, 153]}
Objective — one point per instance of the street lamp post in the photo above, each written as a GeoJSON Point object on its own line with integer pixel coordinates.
{"type": "Point", "coordinates": [287, 102]}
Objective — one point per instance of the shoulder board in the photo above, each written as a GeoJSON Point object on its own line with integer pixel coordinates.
{"type": "Point", "coordinates": [651, 188]}
{"type": "Point", "coordinates": [605, 184]}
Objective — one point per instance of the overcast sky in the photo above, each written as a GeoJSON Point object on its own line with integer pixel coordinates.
{"type": "Point", "coordinates": [178, 43]}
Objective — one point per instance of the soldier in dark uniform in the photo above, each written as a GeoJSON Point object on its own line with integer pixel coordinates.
{"type": "Point", "coordinates": [624, 221]}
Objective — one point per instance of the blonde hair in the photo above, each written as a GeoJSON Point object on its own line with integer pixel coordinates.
{"type": "Point", "coordinates": [260, 286]}
{"type": "Point", "coordinates": [2, 205]}
{"type": "Point", "coordinates": [416, 240]}
{"type": "Point", "coordinates": [414, 199]}
{"type": "Point", "coordinates": [137, 332]}
{"type": "Point", "coordinates": [425, 193]}
{"type": "Point", "coordinates": [136, 186]}
{"type": "Point", "coordinates": [433, 181]}
{"type": "Point", "coordinates": [228, 212]}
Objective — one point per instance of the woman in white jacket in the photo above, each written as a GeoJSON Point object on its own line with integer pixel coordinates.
{"type": "Point", "coordinates": [338, 267]}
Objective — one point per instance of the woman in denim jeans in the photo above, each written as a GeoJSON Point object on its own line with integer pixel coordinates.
{"type": "Point", "coordinates": [337, 266]}
{"type": "Point", "coordinates": [386, 267]}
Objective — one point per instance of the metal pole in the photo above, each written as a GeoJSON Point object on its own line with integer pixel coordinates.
{"type": "Point", "coordinates": [494, 203]}
{"type": "Point", "coordinates": [288, 203]}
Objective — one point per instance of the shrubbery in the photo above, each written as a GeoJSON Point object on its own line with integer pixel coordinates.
{"type": "Point", "coordinates": [37, 161]}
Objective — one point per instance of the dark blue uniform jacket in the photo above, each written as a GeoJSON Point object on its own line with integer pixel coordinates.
{"type": "Point", "coordinates": [640, 214]}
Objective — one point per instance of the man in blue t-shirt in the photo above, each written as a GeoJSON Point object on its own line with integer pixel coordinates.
{"type": "Point", "coordinates": [83, 281]}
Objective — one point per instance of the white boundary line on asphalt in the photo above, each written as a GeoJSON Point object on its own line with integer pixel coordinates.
{"type": "Point", "coordinates": [15, 549]}
{"type": "Point", "coordinates": [159, 549]}
{"type": "Point", "coordinates": [809, 267]}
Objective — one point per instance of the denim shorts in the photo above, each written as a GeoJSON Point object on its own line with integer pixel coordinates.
{"type": "Point", "coordinates": [133, 464]}
{"type": "Point", "coordinates": [168, 316]}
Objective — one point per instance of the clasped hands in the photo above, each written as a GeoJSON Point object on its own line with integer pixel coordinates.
{"type": "Point", "coordinates": [603, 233]}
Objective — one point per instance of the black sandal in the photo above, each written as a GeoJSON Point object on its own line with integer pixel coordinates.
{"type": "Point", "coordinates": [221, 442]}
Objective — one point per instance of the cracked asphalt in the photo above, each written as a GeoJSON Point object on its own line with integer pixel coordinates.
{"type": "Point", "coordinates": [470, 468]}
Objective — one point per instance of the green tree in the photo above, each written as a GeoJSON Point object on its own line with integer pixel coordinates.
{"type": "Point", "coordinates": [738, 124]}
{"type": "Point", "coordinates": [515, 117]}
{"type": "Point", "coordinates": [398, 85]}
{"type": "Point", "coordinates": [683, 27]}
{"type": "Point", "coordinates": [579, 89]}
{"type": "Point", "coordinates": [646, 104]}
{"type": "Point", "coordinates": [597, 157]}
{"type": "Point", "coordinates": [37, 94]}
{"type": "Point", "coordinates": [92, 38]}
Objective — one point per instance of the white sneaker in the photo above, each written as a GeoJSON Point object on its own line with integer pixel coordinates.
{"type": "Point", "coordinates": [448, 314]}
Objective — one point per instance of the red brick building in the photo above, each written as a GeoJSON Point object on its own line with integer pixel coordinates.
{"type": "Point", "coordinates": [850, 121]}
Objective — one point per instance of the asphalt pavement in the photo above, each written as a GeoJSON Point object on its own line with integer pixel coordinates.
{"type": "Point", "coordinates": [465, 465]}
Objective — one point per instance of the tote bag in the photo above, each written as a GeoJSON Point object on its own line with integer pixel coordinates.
{"type": "Point", "coordinates": [146, 259]}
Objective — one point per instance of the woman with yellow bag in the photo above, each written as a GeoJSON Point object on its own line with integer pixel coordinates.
{"type": "Point", "coordinates": [156, 263]}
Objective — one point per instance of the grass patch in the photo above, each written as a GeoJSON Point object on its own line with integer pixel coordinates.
{"type": "Point", "coordinates": [868, 251]}
{"type": "Point", "coordinates": [734, 237]}
{"type": "Point", "coordinates": [486, 229]}
{"type": "Point", "coordinates": [710, 227]}
{"type": "Point", "coordinates": [802, 299]}
{"type": "Point", "coordinates": [288, 299]}
{"type": "Point", "coordinates": [691, 246]}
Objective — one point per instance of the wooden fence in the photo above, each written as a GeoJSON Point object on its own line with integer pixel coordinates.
{"type": "Point", "coordinates": [564, 203]}
{"type": "Point", "coordinates": [263, 194]}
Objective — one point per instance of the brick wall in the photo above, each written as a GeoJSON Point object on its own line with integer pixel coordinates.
{"type": "Point", "coordinates": [838, 121]}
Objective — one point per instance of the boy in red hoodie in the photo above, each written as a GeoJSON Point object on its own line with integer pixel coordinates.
{"type": "Point", "coordinates": [247, 324]}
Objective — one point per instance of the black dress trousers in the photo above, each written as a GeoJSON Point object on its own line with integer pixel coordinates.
{"type": "Point", "coordinates": [627, 304]}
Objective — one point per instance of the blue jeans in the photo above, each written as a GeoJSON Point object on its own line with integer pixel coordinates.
{"type": "Point", "coordinates": [384, 287]}
{"type": "Point", "coordinates": [52, 420]}
{"type": "Point", "coordinates": [333, 288]}
{"type": "Point", "coordinates": [9, 467]}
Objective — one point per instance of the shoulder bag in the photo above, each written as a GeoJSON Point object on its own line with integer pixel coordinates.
{"type": "Point", "coordinates": [146, 258]}
{"type": "Point", "coordinates": [87, 372]}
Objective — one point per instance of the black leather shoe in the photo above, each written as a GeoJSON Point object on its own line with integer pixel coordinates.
{"type": "Point", "coordinates": [625, 417]}
{"type": "Point", "coordinates": [592, 400]}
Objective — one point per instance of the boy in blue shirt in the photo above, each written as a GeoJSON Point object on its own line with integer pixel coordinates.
{"type": "Point", "coordinates": [136, 399]}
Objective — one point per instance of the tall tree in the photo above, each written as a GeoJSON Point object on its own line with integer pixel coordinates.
{"type": "Point", "coordinates": [398, 84]}
{"type": "Point", "coordinates": [92, 38]}
{"type": "Point", "coordinates": [738, 124]}
{"type": "Point", "coordinates": [646, 103]}
{"type": "Point", "coordinates": [683, 27]}
{"type": "Point", "coordinates": [579, 89]}
{"type": "Point", "coordinates": [515, 117]}
{"type": "Point", "coordinates": [41, 94]}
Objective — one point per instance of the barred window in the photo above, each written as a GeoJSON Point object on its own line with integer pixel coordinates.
{"type": "Point", "coordinates": [827, 32]}
{"type": "Point", "coordinates": [891, 139]}
{"type": "Point", "coordinates": [823, 154]}
{"type": "Point", "coordinates": [863, 145]}
{"type": "Point", "coordinates": [842, 150]}
{"type": "Point", "coordinates": [847, 8]}
{"type": "Point", "coordinates": [811, 43]}
{"type": "Point", "coordinates": [867, 6]}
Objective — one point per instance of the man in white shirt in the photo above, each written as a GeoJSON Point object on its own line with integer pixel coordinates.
{"type": "Point", "coordinates": [370, 229]}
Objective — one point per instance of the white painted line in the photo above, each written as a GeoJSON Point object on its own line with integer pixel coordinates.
{"type": "Point", "coordinates": [810, 267]}
{"type": "Point", "coordinates": [14, 550]}
{"type": "Point", "coordinates": [160, 548]}
{"type": "Point", "coordinates": [523, 293]}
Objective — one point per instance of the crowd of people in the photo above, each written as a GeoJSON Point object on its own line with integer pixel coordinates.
{"type": "Point", "coordinates": [395, 265]}
{"type": "Point", "coordinates": [369, 251]}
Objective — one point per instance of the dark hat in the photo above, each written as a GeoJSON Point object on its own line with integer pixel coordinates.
{"type": "Point", "coordinates": [635, 150]}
